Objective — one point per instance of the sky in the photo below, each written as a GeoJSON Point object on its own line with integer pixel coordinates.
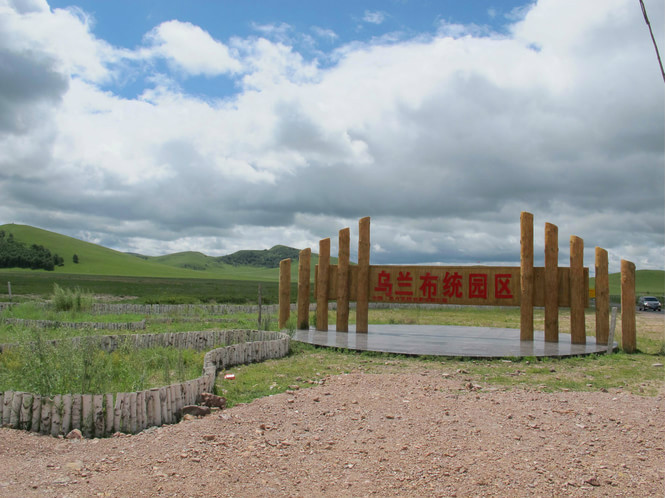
{"type": "Point", "coordinates": [163, 126]}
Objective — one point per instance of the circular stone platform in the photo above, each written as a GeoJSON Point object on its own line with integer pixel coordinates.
{"type": "Point", "coordinates": [439, 340]}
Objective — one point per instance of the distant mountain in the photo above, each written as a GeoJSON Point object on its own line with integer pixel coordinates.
{"type": "Point", "coordinates": [268, 258]}
{"type": "Point", "coordinates": [94, 259]}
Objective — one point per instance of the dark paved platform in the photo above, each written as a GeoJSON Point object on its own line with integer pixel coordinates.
{"type": "Point", "coordinates": [438, 340]}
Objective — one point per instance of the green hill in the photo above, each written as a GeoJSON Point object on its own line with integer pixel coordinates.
{"type": "Point", "coordinates": [269, 258]}
{"type": "Point", "coordinates": [647, 283]}
{"type": "Point", "coordinates": [93, 259]}
{"type": "Point", "coordinates": [97, 260]}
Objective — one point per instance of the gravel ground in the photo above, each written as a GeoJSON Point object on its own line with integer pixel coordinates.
{"type": "Point", "coordinates": [414, 434]}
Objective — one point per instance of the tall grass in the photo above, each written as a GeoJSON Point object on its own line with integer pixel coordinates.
{"type": "Point", "coordinates": [75, 300]}
{"type": "Point", "coordinates": [45, 367]}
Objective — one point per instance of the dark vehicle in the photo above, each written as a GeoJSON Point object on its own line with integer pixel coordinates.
{"type": "Point", "coordinates": [646, 303]}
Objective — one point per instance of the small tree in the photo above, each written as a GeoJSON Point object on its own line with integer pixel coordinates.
{"type": "Point", "coordinates": [75, 259]}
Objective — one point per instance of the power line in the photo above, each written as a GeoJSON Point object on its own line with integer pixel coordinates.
{"type": "Point", "coordinates": [646, 19]}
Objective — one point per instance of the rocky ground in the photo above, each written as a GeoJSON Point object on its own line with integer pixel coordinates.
{"type": "Point", "coordinates": [414, 434]}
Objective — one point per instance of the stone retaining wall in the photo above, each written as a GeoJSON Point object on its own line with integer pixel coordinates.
{"type": "Point", "coordinates": [43, 324]}
{"type": "Point", "coordinates": [99, 415]}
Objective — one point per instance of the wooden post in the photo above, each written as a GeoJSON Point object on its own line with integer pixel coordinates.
{"type": "Point", "coordinates": [551, 283]}
{"type": "Point", "coordinates": [56, 415]}
{"type": "Point", "coordinates": [36, 413]}
{"type": "Point", "coordinates": [260, 299]}
{"type": "Point", "coordinates": [108, 426]}
{"type": "Point", "coordinates": [362, 293]}
{"type": "Point", "coordinates": [577, 291]}
{"type": "Point", "coordinates": [322, 286]}
{"type": "Point", "coordinates": [303, 288]}
{"type": "Point", "coordinates": [98, 415]}
{"type": "Point", "coordinates": [25, 417]}
{"type": "Point", "coordinates": [9, 289]}
{"type": "Point", "coordinates": [628, 331]}
{"type": "Point", "coordinates": [87, 417]}
{"type": "Point", "coordinates": [284, 292]}
{"type": "Point", "coordinates": [526, 276]}
{"type": "Point", "coordinates": [602, 297]}
{"type": "Point", "coordinates": [343, 281]}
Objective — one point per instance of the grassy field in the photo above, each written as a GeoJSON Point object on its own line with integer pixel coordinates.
{"type": "Point", "coordinates": [647, 283]}
{"type": "Point", "coordinates": [638, 373]}
{"type": "Point", "coordinates": [40, 367]}
{"type": "Point", "coordinates": [142, 289]}
{"type": "Point", "coordinates": [307, 365]}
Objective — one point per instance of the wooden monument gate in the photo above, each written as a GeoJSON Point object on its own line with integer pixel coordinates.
{"type": "Point", "coordinates": [525, 286]}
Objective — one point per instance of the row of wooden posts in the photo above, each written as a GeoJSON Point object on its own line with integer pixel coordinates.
{"type": "Point", "coordinates": [551, 287]}
{"type": "Point", "coordinates": [99, 415]}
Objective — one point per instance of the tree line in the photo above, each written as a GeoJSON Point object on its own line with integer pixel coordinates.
{"type": "Point", "coordinates": [15, 254]}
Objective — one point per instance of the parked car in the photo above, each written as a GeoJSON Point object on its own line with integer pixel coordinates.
{"type": "Point", "coordinates": [646, 303]}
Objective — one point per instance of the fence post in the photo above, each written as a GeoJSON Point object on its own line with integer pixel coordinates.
{"type": "Point", "coordinates": [577, 291]}
{"type": "Point", "coordinates": [259, 321]}
{"type": "Point", "coordinates": [343, 281]}
{"type": "Point", "coordinates": [628, 333]}
{"type": "Point", "coordinates": [322, 286]}
{"type": "Point", "coordinates": [551, 283]}
{"type": "Point", "coordinates": [303, 288]}
{"type": "Point", "coordinates": [362, 293]}
{"type": "Point", "coordinates": [526, 276]}
{"type": "Point", "coordinates": [284, 292]}
{"type": "Point", "coordinates": [602, 296]}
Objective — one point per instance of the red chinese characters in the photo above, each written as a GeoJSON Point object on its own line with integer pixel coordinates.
{"type": "Point", "coordinates": [384, 284]}
{"type": "Point", "coordinates": [429, 286]}
{"type": "Point", "coordinates": [452, 285]}
{"type": "Point", "coordinates": [502, 286]}
{"type": "Point", "coordinates": [404, 284]}
{"type": "Point", "coordinates": [443, 285]}
{"type": "Point", "coordinates": [478, 285]}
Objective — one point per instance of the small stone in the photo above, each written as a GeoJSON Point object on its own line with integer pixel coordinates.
{"type": "Point", "coordinates": [76, 465]}
{"type": "Point", "coordinates": [209, 437]}
{"type": "Point", "coordinates": [195, 410]}
{"type": "Point", "coordinates": [213, 401]}
{"type": "Point", "coordinates": [390, 417]}
{"type": "Point", "coordinates": [74, 434]}
{"type": "Point", "coordinates": [593, 481]}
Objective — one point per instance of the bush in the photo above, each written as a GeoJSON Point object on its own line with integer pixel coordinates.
{"type": "Point", "coordinates": [46, 367]}
{"type": "Point", "coordinates": [75, 300]}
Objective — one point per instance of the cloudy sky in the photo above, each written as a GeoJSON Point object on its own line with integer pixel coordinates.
{"type": "Point", "coordinates": [162, 126]}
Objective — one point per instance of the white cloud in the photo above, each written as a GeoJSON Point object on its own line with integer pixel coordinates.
{"type": "Point", "coordinates": [62, 35]}
{"type": "Point", "coordinates": [374, 17]}
{"type": "Point", "coordinates": [442, 139]}
{"type": "Point", "coordinates": [324, 33]}
{"type": "Point", "coordinates": [191, 49]}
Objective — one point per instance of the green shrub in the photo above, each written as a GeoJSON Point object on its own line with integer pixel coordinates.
{"type": "Point", "coordinates": [75, 300]}
{"type": "Point", "coordinates": [45, 367]}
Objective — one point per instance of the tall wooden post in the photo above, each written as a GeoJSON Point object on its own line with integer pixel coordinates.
{"type": "Point", "coordinates": [577, 291]}
{"type": "Point", "coordinates": [284, 292]}
{"type": "Point", "coordinates": [303, 288]}
{"type": "Point", "coordinates": [362, 293]}
{"type": "Point", "coordinates": [628, 331]}
{"type": "Point", "coordinates": [322, 286]}
{"type": "Point", "coordinates": [602, 297]}
{"type": "Point", "coordinates": [343, 280]}
{"type": "Point", "coordinates": [551, 283]}
{"type": "Point", "coordinates": [526, 276]}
